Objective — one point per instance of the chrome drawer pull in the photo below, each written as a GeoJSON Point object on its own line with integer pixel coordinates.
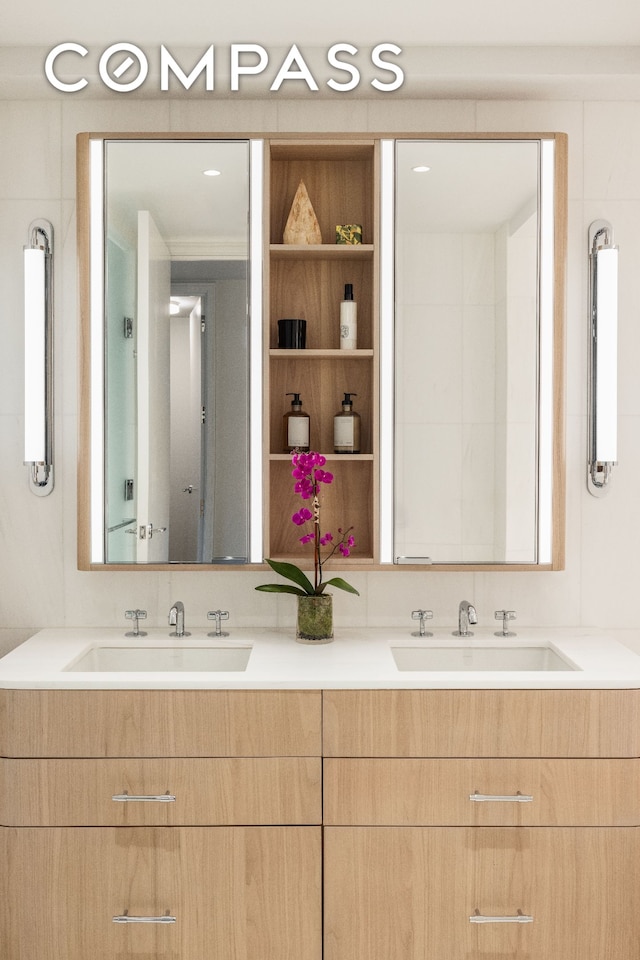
{"type": "Point", "coordinates": [132, 798]}
{"type": "Point", "coordinates": [516, 798]}
{"type": "Point", "coordinates": [520, 917]}
{"type": "Point", "coordinates": [125, 918]}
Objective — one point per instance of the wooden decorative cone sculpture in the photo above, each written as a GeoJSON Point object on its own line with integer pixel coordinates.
{"type": "Point", "coordinates": [302, 224]}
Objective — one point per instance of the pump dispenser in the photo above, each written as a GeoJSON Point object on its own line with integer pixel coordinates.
{"type": "Point", "coordinates": [346, 428]}
{"type": "Point", "coordinates": [296, 427]}
{"type": "Point", "coordinates": [348, 320]}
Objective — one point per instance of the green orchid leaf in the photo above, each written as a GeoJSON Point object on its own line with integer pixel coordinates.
{"type": "Point", "coordinates": [340, 584]}
{"type": "Point", "coordinates": [281, 588]}
{"type": "Point", "coordinates": [290, 572]}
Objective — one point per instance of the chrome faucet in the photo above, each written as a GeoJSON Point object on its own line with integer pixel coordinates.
{"type": "Point", "coordinates": [466, 615]}
{"type": "Point", "coordinates": [176, 619]}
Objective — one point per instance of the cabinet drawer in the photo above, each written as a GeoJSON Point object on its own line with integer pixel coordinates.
{"type": "Point", "coordinates": [160, 723]}
{"type": "Point", "coordinates": [414, 890]}
{"type": "Point", "coordinates": [437, 792]}
{"type": "Point", "coordinates": [237, 892]}
{"type": "Point", "coordinates": [264, 790]}
{"type": "Point", "coordinates": [481, 723]}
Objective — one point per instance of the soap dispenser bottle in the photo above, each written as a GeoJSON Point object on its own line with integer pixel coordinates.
{"type": "Point", "coordinates": [296, 427]}
{"type": "Point", "coordinates": [346, 428]}
{"type": "Point", "coordinates": [348, 320]}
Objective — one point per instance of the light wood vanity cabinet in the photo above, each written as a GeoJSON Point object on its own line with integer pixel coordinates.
{"type": "Point", "coordinates": [248, 891]}
{"type": "Point", "coordinates": [208, 790]}
{"type": "Point", "coordinates": [431, 873]}
{"type": "Point", "coordinates": [415, 889]}
{"type": "Point", "coordinates": [235, 858]}
{"type": "Point", "coordinates": [413, 868]}
{"type": "Point", "coordinates": [436, 792]}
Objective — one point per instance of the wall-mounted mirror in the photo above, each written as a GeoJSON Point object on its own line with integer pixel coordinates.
{"type": "Point", "coordinates": [478, 476]}
{"type": "Point", "coordinates": [167, 292]}
{"type": "Point", "coordinates": [469, 251]}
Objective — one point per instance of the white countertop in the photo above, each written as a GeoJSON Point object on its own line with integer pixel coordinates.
{"type": "Point", "coordinates": [358, 658]}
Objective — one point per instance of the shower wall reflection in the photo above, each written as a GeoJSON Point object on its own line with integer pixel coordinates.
{"type": "Point", "coordinates": [467, 351]}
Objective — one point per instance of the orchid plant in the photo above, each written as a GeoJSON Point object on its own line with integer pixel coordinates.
{"type": "Point", "coordinates": [309, 475]}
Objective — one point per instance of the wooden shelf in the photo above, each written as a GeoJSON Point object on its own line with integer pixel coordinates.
{"type": "Point", "coordinates": [347, 502]}
{"type": "Point", "coordinates": [334, 354]}
{"type": "Point", "coordinates": [339, 457]}
{"type": "Point", "coordinates": [337, 564]}
{"type": "Point", "coordinates": [312, 288]}
{"type": "Point", "coordinates": [308, 281]}
{"type": "Point", "coordinates": [321, 251]}
{"type": "Point", "coordinates": [340, 182]}
{"type": "Point", "coordinates": [314, 148]}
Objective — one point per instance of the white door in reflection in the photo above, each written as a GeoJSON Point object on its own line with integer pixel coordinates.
{"type": "Point", "coordinates": [187, 415]}
{"type": "Point", "coordinates": [153, 376]}
{"type": "Point", "coordinates": [177, 388]}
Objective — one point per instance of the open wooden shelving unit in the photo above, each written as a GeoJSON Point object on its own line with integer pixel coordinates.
{"type": "Point", "coordinates": [307, 281]}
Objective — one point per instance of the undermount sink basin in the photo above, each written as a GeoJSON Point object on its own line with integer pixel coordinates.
{"type": "Point", "coordinates": [160, 659]}
{"type": "Point", "coordinates": [434, 658]}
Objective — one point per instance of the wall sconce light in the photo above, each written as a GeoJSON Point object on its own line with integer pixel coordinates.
{"type": "Point", "coordinates": [38, 357]}
{"type": "Point", "coordinates": [603, 357]}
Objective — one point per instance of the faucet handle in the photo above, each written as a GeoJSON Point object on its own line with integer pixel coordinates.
{"type": "Point", "coordinates": [421, 615]}
{"type": "Point", "coordinates": [135, 615]}
{"type": "Point", "coordinates": [505, 616]}
{"type": "Point", "coordinates": [218, 616]}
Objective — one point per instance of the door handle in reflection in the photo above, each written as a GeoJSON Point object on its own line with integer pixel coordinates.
{"type": "Point", "coordinates": [146, 531]}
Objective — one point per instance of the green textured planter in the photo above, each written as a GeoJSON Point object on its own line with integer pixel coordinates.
{"type": "Point", "coordinates": [315, 619]}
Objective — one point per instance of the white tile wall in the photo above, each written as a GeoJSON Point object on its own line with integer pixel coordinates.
{"type": "Point", "coordinates": [39, 583]}
{"type": "Point", "coordinates": [446, 295]}
{"type": "Point", "coordinates": [478, 363]}
{"type": "Point", "coordinates": [443, 401]}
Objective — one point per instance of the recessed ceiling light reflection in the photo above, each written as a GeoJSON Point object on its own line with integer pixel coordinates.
{"type": "Point", "coordinates": [211, 173]}
{"type": "Point", "coordinates": [421, 169]}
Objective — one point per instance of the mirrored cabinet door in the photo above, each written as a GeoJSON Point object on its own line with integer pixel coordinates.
{"type": "Point", "coordinates": [168, 303]}
{"type": "Point", "coordinates": [477, 336]}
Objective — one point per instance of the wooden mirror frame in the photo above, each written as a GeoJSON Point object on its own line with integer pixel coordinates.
{"type": "Point", "coordinates": [290, 153]}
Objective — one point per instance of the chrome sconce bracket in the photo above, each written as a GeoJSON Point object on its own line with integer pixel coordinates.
{"type": "Point", "coordinates": [38, 357]}
{"type": "Point", "coordinates": [603, 358]}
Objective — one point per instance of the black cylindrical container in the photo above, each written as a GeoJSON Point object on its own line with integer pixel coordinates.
{"type": "Point", "coordinates": [292, 334]}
